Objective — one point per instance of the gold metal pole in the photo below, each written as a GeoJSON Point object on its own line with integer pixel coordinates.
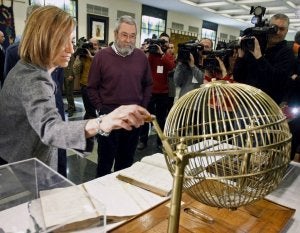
{"type": "Point", "coordinates": [174, 217]}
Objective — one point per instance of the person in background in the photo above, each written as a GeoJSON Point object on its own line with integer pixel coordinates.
{"type": "Point", "coordinates": [291, 103]}
{"type": "Point", "coordinates": [171, 50]}
{"type": "Point", "coordinates": [2, 57]}
{"type": "Point", "coordinates": [120, 74]}
{"type": "Point", "coordinates": [188, 75]}
{"type": "Point", "coordinates": [267, 70]}
{"type": "Point", "coordinates": [217, 70]}
{"type": "Point", "coordinates": [207, 44]}
{"type": "Point", "coordinates": [70, 74]}
{"type": "Point", "coordinates": [83, 61]}
{"type": "Point", "coordinates": [161, 62]}
{"type": "Point", "coordinates": [33, 126]}
{"type": "Point", "coordinates": [171, 83]}
{"type": "Point", "coordinates": [96, 44]}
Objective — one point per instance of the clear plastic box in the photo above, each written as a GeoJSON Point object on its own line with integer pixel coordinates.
{"type": "Point", "coordinates": [35, 198]}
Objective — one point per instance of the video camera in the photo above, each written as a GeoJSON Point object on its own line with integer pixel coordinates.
{"type": "Point", "coordinates": [82, 46]}
{"type": "Point", "coordinates": [261, 30]}
{"type": "Point", "coordinates": [153, 44]}
{"type": "Point", "coordinates": [223, 51]}
{"type": "Point", "coordinates": [187, 48]}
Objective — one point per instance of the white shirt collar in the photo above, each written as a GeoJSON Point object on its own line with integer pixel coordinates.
{"type": "Point", "coordinates": [116, 51]}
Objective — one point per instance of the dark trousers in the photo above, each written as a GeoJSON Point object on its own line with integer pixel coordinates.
{"type": "Point", "coordinates": [62, 162]}
{"type": "Point", "coordinates": [119, 147]}
{"type": "Point", "coordinates": [295, 130]}
{"type": "Point", "coordinates": [90, 111]}
{"type": "Point", "coordinates": [159, 106]}
{"type": "Point", "coordinates": [69, 89]}
{"type": "Point", "coordinates": [58, 78]}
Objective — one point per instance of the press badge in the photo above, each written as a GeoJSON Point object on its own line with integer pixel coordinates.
{"type": "Point", "coordinates": [194, 80]}
{"type": "Point", "coordinates": [159, 69]}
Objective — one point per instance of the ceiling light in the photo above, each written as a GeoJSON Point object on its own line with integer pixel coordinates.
{"type": "Point", "coordinates": [277, 8]}
{"type": "Point", "coordinates": [206, 4]}
{"type": "Point", "coordinates": [226, 15]}
{"type": "Point", "coordinates": [188, 2]}
{"type": "Point", "coordinates": [242, 17]}
{"type": "Point", "coordinates": [291, 4]}
{"type": "Point", "coordinates": [233, 11]}
{"type": "Point", "coordinates": [211, 4]}
{"type": "Point", "coordinates": [253, 1]}
{"type": "Point", "coordinates": [209, 9]}
{"type": "Point", "coordinates": [245, 7]}
{"type": "Point", "coordinates": [294, 20]}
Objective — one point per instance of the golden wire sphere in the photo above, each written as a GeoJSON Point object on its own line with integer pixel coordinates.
{"type": "Point", "coordinates": [234, 141]}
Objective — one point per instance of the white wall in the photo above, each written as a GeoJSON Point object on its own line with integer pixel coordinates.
{"type": "Point", "coordinates": [228, 30]}
{"type": "Point", "coordinates": [113, 6]}
{"type": "Point", "coordinates": [186, 20]}
{"type": "Point", "coordinates": [20, 15]}
{"type": "Point", "coordinates": [124, 5]}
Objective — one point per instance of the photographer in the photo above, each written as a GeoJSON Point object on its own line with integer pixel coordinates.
{"type": "Point", "coordinates": [161, 63]}
{"type": "Point", "coordinates": [218, 64]}
{"type": "Point", "coordinates": [84, 57]}
{"type": "Point", "coordinates": [187, 75]}
{"type": "Point", "coordinates": [291, 103]}
{"type": "Point", "coordinates": [268, 70]}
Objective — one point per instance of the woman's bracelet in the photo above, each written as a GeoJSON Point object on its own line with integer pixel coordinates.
{"type": "Point", "coordinates": [100, 131]}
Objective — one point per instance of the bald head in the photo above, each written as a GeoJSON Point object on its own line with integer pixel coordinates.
{"type": "Point", "coordinates": [96, 44]}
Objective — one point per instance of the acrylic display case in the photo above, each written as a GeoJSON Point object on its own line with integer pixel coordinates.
{"type": "Point", "coordinates": [35, 198]}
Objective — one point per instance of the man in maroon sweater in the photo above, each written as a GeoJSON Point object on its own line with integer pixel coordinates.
{"type": "Point", "coordinates": [161, 62]}
{"type": "Point", "coordinates": [119, 75]}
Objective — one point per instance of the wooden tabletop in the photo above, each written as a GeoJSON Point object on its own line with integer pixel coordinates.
{"type": "Point", "coordinates": [260, 216]}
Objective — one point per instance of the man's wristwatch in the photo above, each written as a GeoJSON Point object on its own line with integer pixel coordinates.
{"type": "Point", "coordinates": [100, 131]}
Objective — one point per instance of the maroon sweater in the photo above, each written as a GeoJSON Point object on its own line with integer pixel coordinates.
{"type": "Point", "coordinates": [115, 80]}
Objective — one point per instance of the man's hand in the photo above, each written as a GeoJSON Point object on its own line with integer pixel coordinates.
{"type": "Point", "coordinates": [257, 52]}
{"type": "Point", "coordinates": [191, 61]}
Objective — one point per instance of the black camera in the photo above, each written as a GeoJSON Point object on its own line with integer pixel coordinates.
{"type": "Point", "coordinates": [261, 31]}
{"type": "Point", "coordinates": [153, 43]}
{"type": "Point", "coordinates": [82, 46]}
{"type": "Point", "coordinates": [187, 48]}
{"type": "Point", "coordinates": [210, 61]}
{"type": "Point", "coordinates": [223, 51]}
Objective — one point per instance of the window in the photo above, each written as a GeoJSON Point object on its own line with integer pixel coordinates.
{"type": "Point", "coordinates": [151, 27]}
{"type": "Point", "coordinates": [69, 6]}
{"type": "Point", "coordinates": [153, 22]}
{"type": "Point", "coordinates": [210, 34]}
{"type": "Point", "coordinates": [209, 30]}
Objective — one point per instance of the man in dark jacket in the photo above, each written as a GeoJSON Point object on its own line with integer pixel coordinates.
{"type": "Point", "coordinates": [267, 70]}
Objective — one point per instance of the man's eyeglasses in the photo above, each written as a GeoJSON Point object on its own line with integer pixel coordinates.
{"type": "Point", "coordinates": [279, 28]}
{"type": "Point", "coordinates": [126, 36]}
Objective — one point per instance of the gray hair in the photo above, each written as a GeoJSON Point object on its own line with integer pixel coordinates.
{"type": "Point", "coordinates": [281, 16]}
{"type": "Point", "coordinates": [125, 19]}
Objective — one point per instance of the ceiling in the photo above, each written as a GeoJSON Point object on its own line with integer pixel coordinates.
{"type": "Point", "coordinates": [234, 13]}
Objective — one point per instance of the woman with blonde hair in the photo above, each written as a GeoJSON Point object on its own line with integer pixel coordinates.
{"type": "Point", "coordinates": [30, 123]}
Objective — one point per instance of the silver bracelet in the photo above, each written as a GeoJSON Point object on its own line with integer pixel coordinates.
{"type": "Point", "coordinates": [100, 131]}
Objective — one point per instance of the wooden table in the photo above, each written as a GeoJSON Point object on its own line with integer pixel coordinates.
{"type": "Point", "coordinates": [260, 216]}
